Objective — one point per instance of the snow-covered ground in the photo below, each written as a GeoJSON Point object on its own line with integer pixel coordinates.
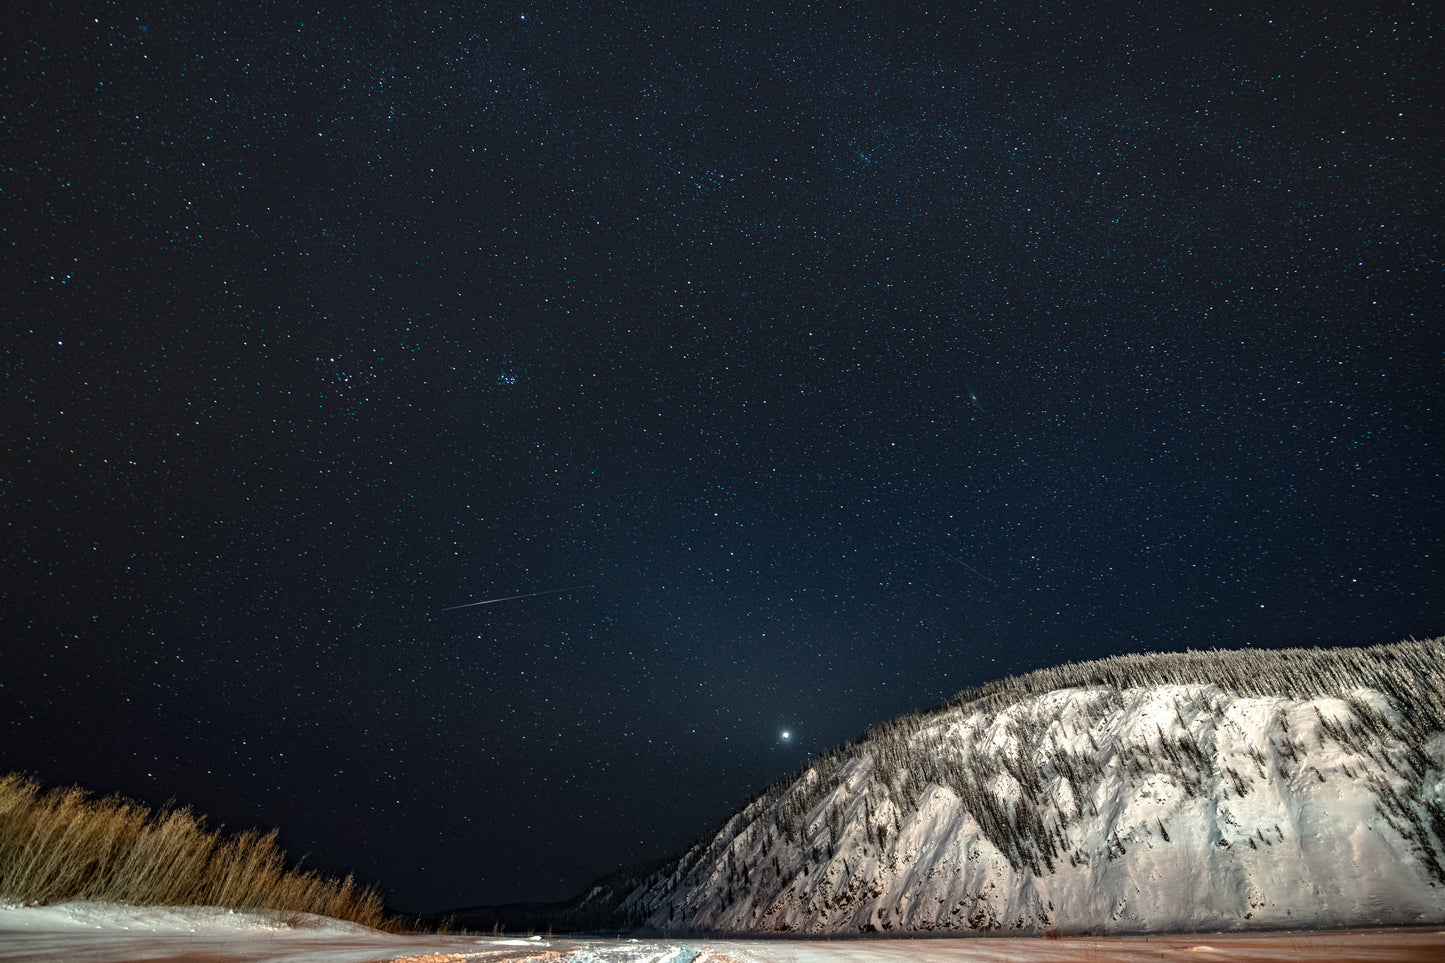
{"type": "Point", "coordinates": [107, 933]}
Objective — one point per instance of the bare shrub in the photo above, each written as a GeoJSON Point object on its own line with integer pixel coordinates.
{"type": "Point", "coordinates": [66, 845]}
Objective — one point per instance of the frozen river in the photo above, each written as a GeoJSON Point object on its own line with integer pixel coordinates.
{"type": "Point", "coordinates": [90, 933]}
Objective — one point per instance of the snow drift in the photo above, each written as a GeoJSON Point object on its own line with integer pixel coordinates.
{"type": "Point", "coordinates": [1200, 790]}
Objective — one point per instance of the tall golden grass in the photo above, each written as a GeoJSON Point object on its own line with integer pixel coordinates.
{"type": "Point", "coordinates": [65, 845]}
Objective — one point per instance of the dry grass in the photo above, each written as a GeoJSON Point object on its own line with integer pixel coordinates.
{"type": "Point", "coordinates": [66, 845]}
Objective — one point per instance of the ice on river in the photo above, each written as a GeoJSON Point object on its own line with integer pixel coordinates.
{"type": "Point", "coordinates": [109, 933]}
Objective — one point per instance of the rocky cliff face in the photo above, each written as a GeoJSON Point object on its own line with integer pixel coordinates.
{"type": "Point", "coordinates": [1198, 790]}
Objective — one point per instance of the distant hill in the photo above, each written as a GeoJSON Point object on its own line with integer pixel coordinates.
{"type": "Point", "coordinates": [1198, 790]}
{"type": "Point", "coordinates": [598, 910]}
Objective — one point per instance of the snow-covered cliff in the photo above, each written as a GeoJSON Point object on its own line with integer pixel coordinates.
{"type": "Point", "coordinates": [1198, 790]}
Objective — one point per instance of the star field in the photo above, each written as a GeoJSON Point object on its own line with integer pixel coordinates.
{"type": "Point", "coordinates": [846, 355]}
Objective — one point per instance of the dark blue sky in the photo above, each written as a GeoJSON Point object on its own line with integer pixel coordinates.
{"type": "Point", "coordinates": [852, 353]}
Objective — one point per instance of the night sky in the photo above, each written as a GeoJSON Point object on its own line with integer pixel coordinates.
{"type": "Point", "coordinates": [833, 357]}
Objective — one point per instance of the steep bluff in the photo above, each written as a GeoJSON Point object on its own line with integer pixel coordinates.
{"type": "Point", "coordinates": [1205, 790]}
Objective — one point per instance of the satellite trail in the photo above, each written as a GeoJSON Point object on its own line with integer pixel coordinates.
{"type": "Point", "coordinates": [524, 595]}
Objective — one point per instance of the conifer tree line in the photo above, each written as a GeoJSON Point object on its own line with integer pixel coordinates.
{"type": "Point", "coordinates": [1411, 673]}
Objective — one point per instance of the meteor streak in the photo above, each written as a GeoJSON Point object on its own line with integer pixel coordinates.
{"type": "Point", "coordinates": [524, 595]}
{"type": "Point", "coordinates": [975, 571]}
